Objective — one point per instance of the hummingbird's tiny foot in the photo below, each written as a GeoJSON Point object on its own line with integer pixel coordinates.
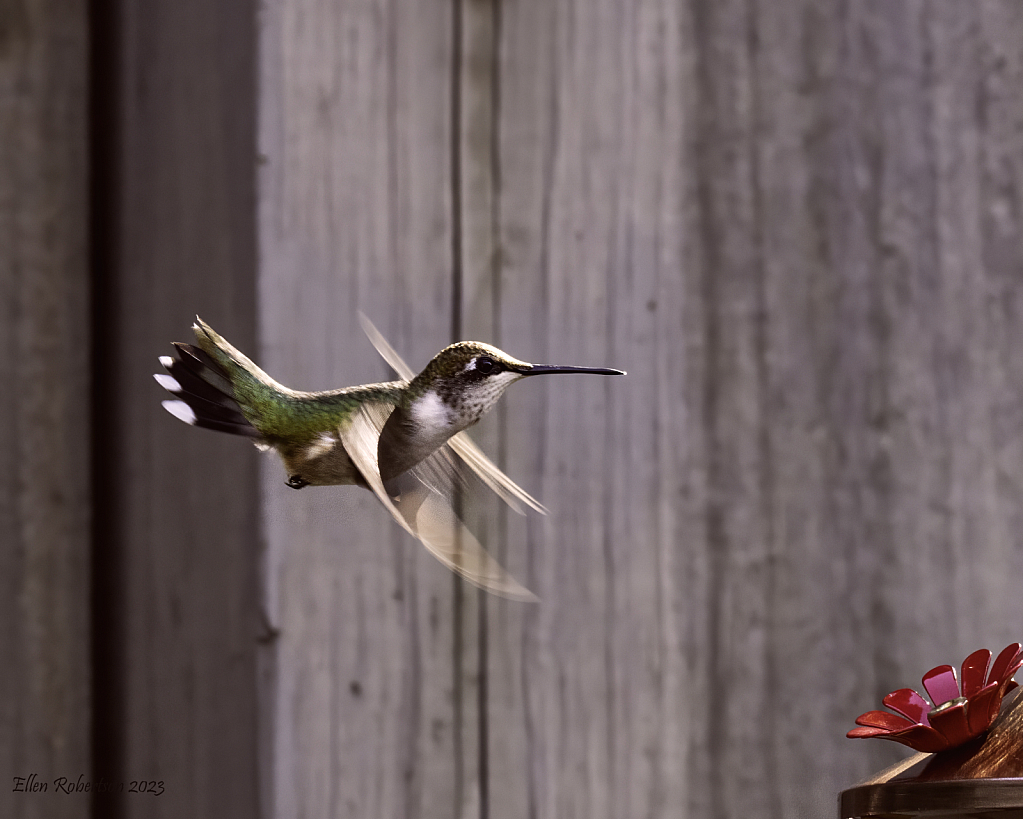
{"type": "Point", "coordinates": [297, 482]}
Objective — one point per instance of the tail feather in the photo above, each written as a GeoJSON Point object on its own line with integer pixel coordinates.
{"type": "Point", "coordinates": [184, 380]}
{"type": "Point", "coordinates": [252, 388]}
{"type": "Point", "coordinates": [203, 394]}
{"type": "Point", "coordinates": [214, 410]}
{"type": "Point", "coordinates": [201, 365]}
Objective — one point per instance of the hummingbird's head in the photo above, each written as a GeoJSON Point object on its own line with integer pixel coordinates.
{"type": "Point", "coordinates": [457, 388]}
{"type": "Point", "coordinates": [464, 381]}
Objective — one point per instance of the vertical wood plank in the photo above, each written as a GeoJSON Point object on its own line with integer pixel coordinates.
{"type": "Point", "coordinates": [177, 506]}
{"type": "Point", "coordinates": [817, 365]}
{"type": "Point", "coordinates": [44, 405]}
{"type": "Point", "coordinates": [609, 689]}
{"type": "Point", "coordinates": [478, 97]}
{"type": "Point", "coordinates": [371, 714]}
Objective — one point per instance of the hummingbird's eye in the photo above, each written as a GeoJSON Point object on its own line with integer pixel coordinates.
{"type": "Point", "coordinates": [485, 365]}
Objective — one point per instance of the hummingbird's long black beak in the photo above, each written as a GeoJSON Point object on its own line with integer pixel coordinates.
{"type": "Point", "coordinates": [542, 369]}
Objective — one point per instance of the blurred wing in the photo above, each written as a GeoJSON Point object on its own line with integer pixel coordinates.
{"type": "Point", "coordinates": [386, 351]}
{"type": "Point", "coordinates": [359, 436]}
{"type": "Point", "coordinates": [421, 500]}
{"type": "Point", "coordinates": [430, 514]}
{"type": "Point", "coordinates": [505, 488]}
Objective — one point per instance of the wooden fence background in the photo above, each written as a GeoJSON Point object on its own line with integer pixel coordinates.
{"type": "Point", "coordinates": [796, 224]}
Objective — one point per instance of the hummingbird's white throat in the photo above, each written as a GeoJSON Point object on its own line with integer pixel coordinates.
{"type": "Point", "coordinates": [435, 414]}
{"type": "Point", "coordinates": [433, 419]}
{"type": "Point", "coordinates": [430, 410]}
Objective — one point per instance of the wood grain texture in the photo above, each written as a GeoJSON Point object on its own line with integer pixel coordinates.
{"type": "Point", "coordinates": [177, 506]}
{"type": "Point", "coordinates": [796, 226]}
{"type": "Point", "coordinates": [591, 205]}
{"type": "Point", "coordinates": [44, 404]}
{"type": "Point", "coordinates": [778, 454]}
{"type": "Point", "coordinates": [369, 716]}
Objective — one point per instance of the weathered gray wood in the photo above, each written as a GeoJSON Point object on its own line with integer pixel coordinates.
{"type": "Point", "coordinates": [596, 708]}
{"type": "Point", "coordinates": [369, 717]}
{"type": "Point", "coordinates": [44, 406]}
{"type": "Point", "coordinates": [178, 506]}
{"type": "Point", "coordinates": [815, 377]}
{"type": "Point", "coordinates": [796, 226]}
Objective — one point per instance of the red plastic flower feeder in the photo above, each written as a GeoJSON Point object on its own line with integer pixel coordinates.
{"type": "Point", "coordinates": [957, 716]}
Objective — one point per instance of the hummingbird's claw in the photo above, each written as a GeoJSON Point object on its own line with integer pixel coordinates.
{"type": "Point", "coordinates": [297, 482]}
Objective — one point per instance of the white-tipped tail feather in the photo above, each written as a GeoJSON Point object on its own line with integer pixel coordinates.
{"type": "Point", "coordinates": [203, 392]}
{"type": "Point", "coordinates": [168, 382]}
{"type": "Point", "coordinates": [179, 409]}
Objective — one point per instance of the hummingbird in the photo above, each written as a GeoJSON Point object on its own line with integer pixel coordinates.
{"type": "Point", "coordinates": [404, 440]}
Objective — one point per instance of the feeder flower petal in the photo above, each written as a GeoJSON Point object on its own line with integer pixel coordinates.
{"type": "Point", "coordinates": [958, 714]}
